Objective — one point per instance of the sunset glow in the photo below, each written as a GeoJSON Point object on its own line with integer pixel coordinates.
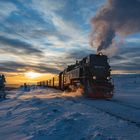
{"type": "Point", "coordinates": [32, 74]}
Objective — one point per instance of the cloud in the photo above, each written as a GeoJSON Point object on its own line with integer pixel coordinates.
{"type": "Point", "coordinates": [18, 47]}
{"type": "Point", "coordinates": [133, 40]}
{"type": "Point", "coordinates": [66, 30]}
{"type": "Point", "coordinates": [88, 9]}
{"type": "Point", "coordinates": [78, 54]}
{"type": "Point", "coordinates": [11, 66]}
{"type": "Point", "coordinates": [6, 8]}
{"type": "Point", "coordinates": [127, 59]}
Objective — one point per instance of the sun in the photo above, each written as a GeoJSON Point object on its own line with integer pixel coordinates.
{"type": "Point", "coordinates": [32, 74]}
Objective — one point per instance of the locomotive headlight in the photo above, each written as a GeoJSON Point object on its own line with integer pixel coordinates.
{"type": "Point", "coordinates": [108, 78]}
{"type": "Point", "coordinates": [100, 53]}
{"type": "Point", "coordinates": [94, 77]}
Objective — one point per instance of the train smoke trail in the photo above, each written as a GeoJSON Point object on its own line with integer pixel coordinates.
{"type": "Point", "coordinates": [116, 17]}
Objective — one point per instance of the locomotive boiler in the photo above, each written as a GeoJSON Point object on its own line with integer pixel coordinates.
{"type": "Point", "coordinates": [92, 73]}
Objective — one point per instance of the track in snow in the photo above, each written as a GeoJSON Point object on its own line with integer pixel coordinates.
{"type": "Point", "coordinates": [118, 116]}
{"type": "Point", "coordinates": [123, 104]}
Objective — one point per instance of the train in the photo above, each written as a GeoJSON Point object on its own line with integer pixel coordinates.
{"type": "Point", "coordinates": [92, 74]}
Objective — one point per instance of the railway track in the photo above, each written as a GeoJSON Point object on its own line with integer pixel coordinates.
{"type": "Point", "coordinates": [106, 111]}
{"type": "Point", "coordinates": [128, 120]}
{"type": "Point", "coordinates": [123, 104]}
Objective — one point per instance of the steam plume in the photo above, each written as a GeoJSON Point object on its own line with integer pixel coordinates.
{"type": "Point", "coordinates": [116, 17]}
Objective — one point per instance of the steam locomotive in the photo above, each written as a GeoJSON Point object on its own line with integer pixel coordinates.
{"type": "Point", "coordinates": [92, 73]}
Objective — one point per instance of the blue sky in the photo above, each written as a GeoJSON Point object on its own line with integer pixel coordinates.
{"type": "Point", "coordinates": [47, 35]}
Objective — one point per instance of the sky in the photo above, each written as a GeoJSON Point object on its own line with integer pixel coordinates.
{"type": "Point", "coordinates": [44, 36]}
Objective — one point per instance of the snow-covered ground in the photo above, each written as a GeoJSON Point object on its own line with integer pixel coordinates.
{"type": "Point", "coordinates": [49, 114]}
